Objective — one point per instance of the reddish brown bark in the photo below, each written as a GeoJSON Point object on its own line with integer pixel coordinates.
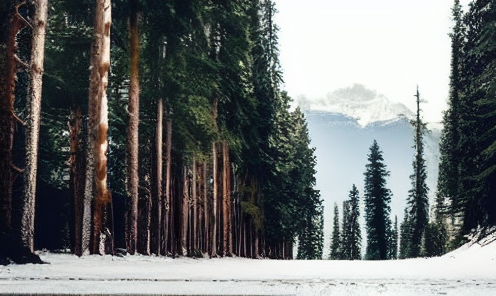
{"type": "Point", "coordinates": [226, 198]}
{"type": "Point", "coordinates": [168, 181]}
{"type": "Point", "coordinates": [206, 209]}
{"type": "Point", "coordinates": [159, 172]}
{"type": "Point", "coordinates": [77, 180]}
{"type": "Point", "coordinates": [132, 148]}
{"type": "Point", "coordinates": [184, 213]}
{"type": "Point", "coordinates": [99, 82]}
{"type": "Point", "coordinates": [195, 207]}
{"type": "Point", "coordinates": [214, 202]}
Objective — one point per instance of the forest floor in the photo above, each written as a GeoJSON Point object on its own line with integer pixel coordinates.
{"type": "Point", "coordinates": [470, 270]}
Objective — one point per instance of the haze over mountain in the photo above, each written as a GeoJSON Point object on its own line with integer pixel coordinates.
{"type": "Point", "coordinates": [342, 128]}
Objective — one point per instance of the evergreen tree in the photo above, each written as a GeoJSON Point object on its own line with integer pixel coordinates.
{"type": "Point", "coordinates": [377, 198]}
{"type": "Point", "coordinates": [394, 240]}
{"type": "Point", "coordinates": [345, 247]}
{"type": "Point", "coordinates": [335, 253]}
{"type": "Point", "coordinates": [418, 199]}
{"type": "Point", "coordinates": [351, 237]}
{"type": "Point", "coordinates": [449, 175]}
{"type": "Point", "coordinates": [355, 230]}
{"type": "Point", "coordinates": [405, 236]}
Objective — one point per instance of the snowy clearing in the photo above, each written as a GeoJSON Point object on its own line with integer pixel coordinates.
{"type": "Point", "coordinates": [470, 270]}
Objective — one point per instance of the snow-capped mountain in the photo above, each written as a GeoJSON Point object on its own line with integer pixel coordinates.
{"type": "Point", "coordinates": [360, 103]}
{"type": "Point", "coordinates": [343, 128]}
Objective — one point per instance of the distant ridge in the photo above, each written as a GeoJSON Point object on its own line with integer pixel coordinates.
{"type": "Point", "coordinates": [364, 105]}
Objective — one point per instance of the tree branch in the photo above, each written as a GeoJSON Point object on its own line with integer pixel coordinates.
{"type": "Point", "coordinates": [23, 20]}
{"type": "Point", "coordinates": [18, 119]}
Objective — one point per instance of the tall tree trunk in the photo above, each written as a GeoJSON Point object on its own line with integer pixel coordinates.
{"type": "Point", "coordinates": [226, 197]}
{"type": "Point", "coordinates": [168, 181]}
{"type": "Point", "coordinates": [9, 26]}
{"type": "Point", "coordinates": [159, 166]}
{"type": "Point", "coordinates": [99, 120]}
{"type": "Point", "coordinates": [206, 208]}
{"type": "Point", "coordinates": [214, 201]}
{"type": "Point", "coordinates": [184, 213]}
{"type": "Point", "coordinates": [33, 121]}
{"type": "Point", "coordinates": [133, 133]}
{"type": "Point", "coordinates": [195, 208]}
{"type": "Point", "coordinates": [77, 180]}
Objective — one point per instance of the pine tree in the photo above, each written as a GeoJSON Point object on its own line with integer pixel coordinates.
{"type": "Point", "coordinates": [355, 230]}
{"type": "Point", "coordinates": [377, 198]}
{"type": "Point", "coordinates": [335, 253]}
{"type": "Point", "coordinates": [418, 199]}
{"type": "Point", "coordinates": [351, 232]}
{"type": "Point", "coordinates": [405, 236]}
{"type": "Point", "coordinates": [394, 240]}
{"type": "Point", "coordinates": [345, 247]}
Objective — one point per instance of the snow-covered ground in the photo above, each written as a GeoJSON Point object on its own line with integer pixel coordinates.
{"type": "Point", "coordinates": [470, 270]}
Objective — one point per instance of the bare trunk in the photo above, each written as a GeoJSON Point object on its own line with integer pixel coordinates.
{"type": "Point", "coordinates": [99, 83]}
{"type": "Point", "coordinates": [184, 214]}
{"type": "Point", "coordinates": [226, 188]}
{"type": "Point", "coordinates": [195, 208]}
{"type": "Point", "coordinates": [159, 191]}
{"type": "Point", "coordinates": [214, 201]}
{"type": "Point", "coordinates": [33, 122]}
{"type": "Point", "coordinates": [167, 186]}
{"type": "Point", "coordinates": [77, 180]}
{"type": "Point", "coordinates": [132, 136]}
{"type": "Point", "coordinates": [206, 208]}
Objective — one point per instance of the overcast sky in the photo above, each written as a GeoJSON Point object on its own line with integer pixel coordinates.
{"type": "Point", "coordinates": [388, 45]}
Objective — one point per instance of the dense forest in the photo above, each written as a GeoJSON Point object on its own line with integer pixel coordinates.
{"type": "Point", "coordinates": [152, 127]}
{"type": "Point", "coordinates": [161, 127]}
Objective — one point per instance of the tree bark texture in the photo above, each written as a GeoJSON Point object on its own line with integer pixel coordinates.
{"type": "Point", "coordinates": [98, 124]}
{"type": "Point", "coordinates": [159, 172]}
{"type": "Point", "coordinates": [184, 212]}
{"type": "Point", "coordinates": [77, 180]}
{"type": "Point", "coordinates": [195, 207]}
{"type": "Point", "coordinates": [168, 181]}
{"type": "Point", "coordinates": [33, 121]}
{"type": "Point", "coordinates": [226, 198]}
{"type": "Point", "coordinates": [214, 202]}
{"type": "Point", "coordinates": [133, 133]}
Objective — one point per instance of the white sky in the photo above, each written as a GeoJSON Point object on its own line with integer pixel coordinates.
{"type": "Point", "coordinates": [387, 45]}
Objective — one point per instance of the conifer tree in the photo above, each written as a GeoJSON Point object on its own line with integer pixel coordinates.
{"type": "Point", "coordinates": [418, 199]}
{"type": "Point", "coordinates": [377, 198]}
{"type": "Point", "coordinates": [335, 253]}
{"type": "Point", "coordinates": [345, 247]}
{"type": "Point", "coordinates": [405, 236]}
{"type": "Point", "coordinates": [355, 230]}
{"type": "Point", "coordinates": [394, 239]}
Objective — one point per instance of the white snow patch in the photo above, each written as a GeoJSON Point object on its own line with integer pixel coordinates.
{"type": "Point", "coordinates": [360, 103]}
{"type": "Point", "coordinates": [470, 270]}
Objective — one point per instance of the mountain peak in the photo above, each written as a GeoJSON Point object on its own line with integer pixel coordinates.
{"type": "Point", "coordinates": [360, 103]}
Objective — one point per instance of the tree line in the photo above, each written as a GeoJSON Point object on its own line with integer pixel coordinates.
{"type": "Point", "coordinates": [181, 143]}
{"type": "Point", "coordinates": [465, 196]}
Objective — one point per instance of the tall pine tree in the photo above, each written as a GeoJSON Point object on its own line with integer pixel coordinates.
{"type": "Point", "coordinates": [418, 199]}
{"type": "Point", "coordinates": [377, 198]}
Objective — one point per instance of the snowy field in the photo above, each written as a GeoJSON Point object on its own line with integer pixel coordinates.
{"type": "Point", "coordinates": [470, 270]}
